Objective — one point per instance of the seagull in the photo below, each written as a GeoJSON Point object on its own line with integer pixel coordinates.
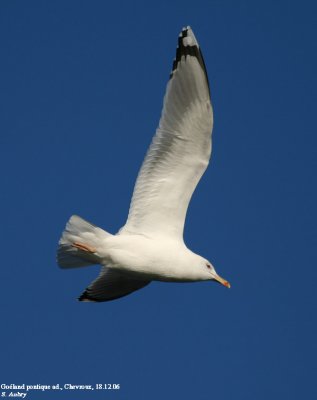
{"type": "Point", "coordinates": [150, 246]}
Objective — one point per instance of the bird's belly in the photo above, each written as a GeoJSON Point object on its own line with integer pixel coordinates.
{"type": "Point", "coordinates": [145, 259]}
{"type": "Point", "coordinates": [152, 268]}
{"type": "Point", "coordinates": [159, 273]}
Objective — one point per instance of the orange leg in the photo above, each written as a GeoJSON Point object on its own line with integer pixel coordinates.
{"type": "Point", "coordinates": [84, 247]}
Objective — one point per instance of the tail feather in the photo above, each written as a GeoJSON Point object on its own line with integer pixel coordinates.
{"type": "Point", "coordinates": [79, 231]}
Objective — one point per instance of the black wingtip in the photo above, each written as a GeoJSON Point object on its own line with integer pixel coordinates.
{"type": "Point", "coordinates": [85, 296]}
{"type": "Point", "coordinates": [188, 48]}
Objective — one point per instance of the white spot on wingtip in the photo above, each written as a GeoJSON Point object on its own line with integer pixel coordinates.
{"type": "Point", "coordinates": [188, 41]}
{"type": "Point", "coordinates": [87, 300]}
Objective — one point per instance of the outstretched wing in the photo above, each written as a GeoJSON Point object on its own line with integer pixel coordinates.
{"type": "Point", "coordinates": [111, 285]}
{"type": "Point", "coordinates": [180, 150]}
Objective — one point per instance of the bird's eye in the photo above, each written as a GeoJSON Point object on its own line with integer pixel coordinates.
{"type": "Point", "coordinates": [208, 266]}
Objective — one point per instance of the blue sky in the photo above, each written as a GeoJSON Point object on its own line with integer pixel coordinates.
{"type": "Point", "coordinates": [81, 90]}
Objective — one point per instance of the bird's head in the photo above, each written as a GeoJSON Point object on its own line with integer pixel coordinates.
{"type": "Point", "coordinates": [211, 274]}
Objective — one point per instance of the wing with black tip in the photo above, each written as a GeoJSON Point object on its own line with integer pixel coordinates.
{"type": "Point", "coordinates": [111, 285]}
{"type": "Point", "coordinates": [180, 150]}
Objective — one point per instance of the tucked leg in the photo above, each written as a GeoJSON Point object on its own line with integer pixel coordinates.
{"type": "Point", "coordinates": [84, 247]}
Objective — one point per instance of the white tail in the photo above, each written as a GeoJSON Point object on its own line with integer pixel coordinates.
{"type": "Point", "coordinates": [79, 231]}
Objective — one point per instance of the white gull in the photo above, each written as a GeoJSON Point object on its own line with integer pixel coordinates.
{"type": "Point", "coordinates": [150, 245]}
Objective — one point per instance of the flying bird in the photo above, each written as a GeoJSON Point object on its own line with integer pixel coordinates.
{"type": "Point", "coordinates": [150, 246]}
